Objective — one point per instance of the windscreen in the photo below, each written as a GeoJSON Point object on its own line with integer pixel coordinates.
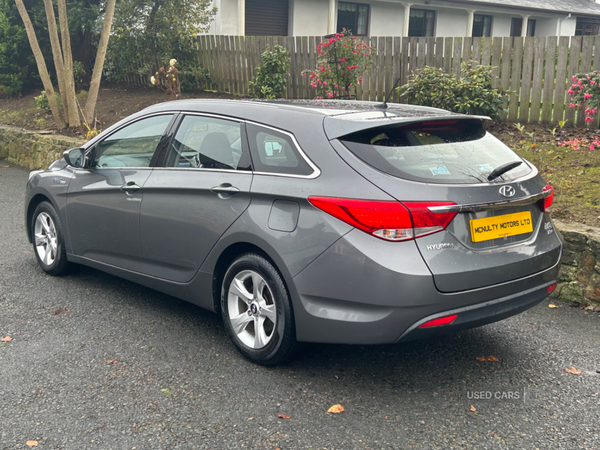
{"type": "Point", "coordinates": [448, 152]}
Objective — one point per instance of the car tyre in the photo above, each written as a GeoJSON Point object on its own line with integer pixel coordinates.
{"type": "Point", "coordinates": [257, 311]}
{"type": "Point", "coordinates": [48, 240]}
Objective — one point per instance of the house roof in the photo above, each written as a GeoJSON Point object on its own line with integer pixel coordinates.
{"type": "Point", "coordinates": [576, 7]}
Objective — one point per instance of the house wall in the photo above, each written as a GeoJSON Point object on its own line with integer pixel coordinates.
{"type": "Point", "coordinates": [501, 25]}
{"type": "Point", "coordinates": [449, 22]}
{"type": "Point", "coordinates": [309, 17]}
{"type": "Point", "coordinates": [226, 19]}
{"type": "Point", "coordinates": [545, 27]}
{"type": "Point", "coordinates": [567, 27]}
{"type": "Point", "coordinates": [386, 19]}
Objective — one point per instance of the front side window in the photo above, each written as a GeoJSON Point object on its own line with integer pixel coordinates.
{"type": "Point", "coordinates": [133, 145]}
{"type": "Point", "coordinates": [445, 152]}
{"type": "Point", "coordinates": [275, 152]}
{"type": "Point", "coordinates": [208, 143]}
{"type": "Point", "coordinates": [353, 17]}
{"type": "Point", "coordinates": [421, 23]}
{"type": "Point", "coordinates": [482, 25]}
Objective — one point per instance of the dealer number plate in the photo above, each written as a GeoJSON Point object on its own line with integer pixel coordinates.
{"type": "Point", "coordinates": [501, 226]}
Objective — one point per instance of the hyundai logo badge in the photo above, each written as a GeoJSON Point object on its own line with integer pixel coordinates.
{"type": "Point", "coordinates": [507, 191]}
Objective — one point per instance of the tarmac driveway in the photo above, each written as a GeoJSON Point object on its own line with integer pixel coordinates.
{"type": "Point", "coordinates": [125, 367]}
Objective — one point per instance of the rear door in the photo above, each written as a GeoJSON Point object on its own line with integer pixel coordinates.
{"type": "Point", "coordinates": [202, 188]}
{"type": "Point", "coordinates": [499, 231]}
{"type": "Point", "coordinates": [103, 202]}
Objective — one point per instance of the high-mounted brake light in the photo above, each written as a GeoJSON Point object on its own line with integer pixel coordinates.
{"type": "Point", "coordinates": [548, 200]}
{"type": "Point", "coordinates": [392, 221]}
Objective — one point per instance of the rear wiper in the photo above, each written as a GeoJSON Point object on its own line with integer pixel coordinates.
{"type": "Point", "coordinates": [501, 170]}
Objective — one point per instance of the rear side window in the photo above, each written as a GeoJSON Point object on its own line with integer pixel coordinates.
{"type": "Point", "coordinates": [275, 152]}
{"type": "Point", "coordinates": [449, 152]}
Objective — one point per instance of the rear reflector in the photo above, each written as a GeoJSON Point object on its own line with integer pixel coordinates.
{"type": "Point", "coordinates": [548, 200]}
{"type": "Point", "coordinates": [551, 288]}
{"type": "Point", "coordinates": [441, 321]}
{"type": "Point", "coordinates": [392, 221]}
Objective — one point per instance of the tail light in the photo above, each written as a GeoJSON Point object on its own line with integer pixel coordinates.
{"type": "Point", "coordinates": [392, 221]}
{"type": "Point", "coordinates": [548, 200]}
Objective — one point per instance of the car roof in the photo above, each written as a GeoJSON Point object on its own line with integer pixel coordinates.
{"type": "Point", "coordinates": [341, 117]}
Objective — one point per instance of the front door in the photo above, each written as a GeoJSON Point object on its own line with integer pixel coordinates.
{"type": "Point", "coordinates": [103, 201]}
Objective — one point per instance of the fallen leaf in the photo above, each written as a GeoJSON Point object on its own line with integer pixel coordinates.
{"type": "Point", "coordinates": [472, 408]}
{"type": "Point", "coordinates": [573, 370]}
{"type": "Point", "coordinates": [250, 418]}
{"type": "Point", "coordinates": [552, 305]}
{"type": "Point", "coordinates": [284, 416]}
{"type": "Point", "coordinates": [6, 339]}
{"type": "Point", "coordinates": [61, 310]}
{"type": "Point", "coordinates": [487, 358]}
{"type": "Point", "coordinates": [336, 409]}
{"type": "Point", "coordinates": [32, 443]}
{"type": "Point", "coordinates": [111, 361]}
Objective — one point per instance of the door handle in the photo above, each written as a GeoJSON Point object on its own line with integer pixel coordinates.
{"type": "Point", "coordinates": [225, 188]}
{"type": "Point", "coordinates": [130, 187]}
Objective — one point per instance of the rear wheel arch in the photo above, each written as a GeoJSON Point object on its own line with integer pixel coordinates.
{"type": "Point", "coordinates": [228, 255]}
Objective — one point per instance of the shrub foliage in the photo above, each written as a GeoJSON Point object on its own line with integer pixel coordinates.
{"type": "Point", "coordinates": [270, 77]}
{"type": "Point", "coordinates": [471, 93]}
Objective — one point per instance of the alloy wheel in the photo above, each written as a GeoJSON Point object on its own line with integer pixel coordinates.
{"type": "Point", "coordinates": [46, 240]}
{"type": "Point", "coordinates": [251, 309]}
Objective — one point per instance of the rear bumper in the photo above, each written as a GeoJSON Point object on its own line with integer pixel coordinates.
{"type": "Point", "coordinates": [364, 291]}
{"type": "Point", "coordinates": [477, 315]}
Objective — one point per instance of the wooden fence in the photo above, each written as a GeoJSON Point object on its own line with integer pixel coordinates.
{"type": "Point", "coordinates": [537, 70]}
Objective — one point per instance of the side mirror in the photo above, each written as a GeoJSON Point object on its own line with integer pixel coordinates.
{"type": "Point", "coordinates": [75, 157]}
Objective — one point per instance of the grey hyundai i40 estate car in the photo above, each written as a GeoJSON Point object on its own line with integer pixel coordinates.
{"type": "Point", "coordinates": [307, 221]}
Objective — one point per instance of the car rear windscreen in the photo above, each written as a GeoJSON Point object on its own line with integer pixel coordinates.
{"type": "Point", "coordinates": [445, 152]}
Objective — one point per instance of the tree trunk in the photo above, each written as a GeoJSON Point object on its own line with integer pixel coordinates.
{"type": "Point", "coordinates": [90, 104]}
{"type": "Point", "coordinates": [68, 60]}
{"type": "Point", "coordinates": [57, 54]}
{"type": "Point", "coordinates": [41, 64]}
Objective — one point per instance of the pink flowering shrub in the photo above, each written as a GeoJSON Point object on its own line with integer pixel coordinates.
{"type": "Point", "coordinates": [585, 93]}
{"type": "Point", "coordinates": [340, 61]}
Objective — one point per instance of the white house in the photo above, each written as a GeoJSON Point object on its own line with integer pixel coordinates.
{"type": "Point", "coordinates": [440, 18]}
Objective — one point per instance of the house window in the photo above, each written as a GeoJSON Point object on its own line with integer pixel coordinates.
{"type": "Point", "coordinates": [587, 28]}
{"type": "Point", "coordinates": [353, 17]}
{"type": "Point", "coordinates": [421, 23]}
{"type": "Point", "coordinates": [516, 27]}
{"type": "Point", "coordinates": [482, 26]}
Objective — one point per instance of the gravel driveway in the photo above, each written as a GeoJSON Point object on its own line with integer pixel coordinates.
{"type": "Point", "coordinates": [125, 367]}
